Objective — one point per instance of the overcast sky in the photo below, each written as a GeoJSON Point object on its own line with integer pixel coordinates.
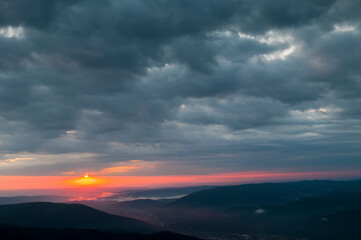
{"type": "Point", "coordinates": [181, 86]}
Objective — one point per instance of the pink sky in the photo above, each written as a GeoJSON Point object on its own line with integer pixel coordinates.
{"type": "Point", "coordinates": [9, 183]}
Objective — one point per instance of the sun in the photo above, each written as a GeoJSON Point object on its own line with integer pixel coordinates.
{"type": "Point", "coordinates": [87, 180]}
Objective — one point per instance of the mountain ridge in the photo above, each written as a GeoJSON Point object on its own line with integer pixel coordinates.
{"type": "Point", "coordinates": [262, 193]}
{"type": "Point", "coordinates": [60, 215]}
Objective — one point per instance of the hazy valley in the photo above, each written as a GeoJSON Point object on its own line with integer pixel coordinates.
{"type": "Point", "coordinates": [307, 209]}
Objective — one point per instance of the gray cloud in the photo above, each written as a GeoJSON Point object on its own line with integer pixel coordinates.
{"type": "Point", "coordinates": [227, 85]}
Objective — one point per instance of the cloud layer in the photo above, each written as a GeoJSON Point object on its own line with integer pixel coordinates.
{"type": "Point", "coordinates": [201, 86]}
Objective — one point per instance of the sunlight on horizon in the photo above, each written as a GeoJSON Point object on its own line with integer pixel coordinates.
{"type": "Point", "coordinates": [87, 180]}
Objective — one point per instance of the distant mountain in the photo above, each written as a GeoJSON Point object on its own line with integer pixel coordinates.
{"type": "Point", "coordinates": [76, 216]}
{"type": "Point", "coordinates": [276, 208]}
{"type": "Point", "coordinates": [262, 194]}
{"type": "Point", "coordinates": [318, 205]}
{"type": "Point", "coordinates": [16, 233]}
{"type": "Point", "coordinates": [141, 203]}
{"type": "Point", "coordinates": [25, 199]}
{"type": "Point", "coordinates": [163, 192]}
{"type": "Point", "coordinates": [331, 216]}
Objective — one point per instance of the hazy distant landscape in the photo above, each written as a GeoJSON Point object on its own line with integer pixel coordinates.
{"type": "Point", "coordinates": [317, 209]}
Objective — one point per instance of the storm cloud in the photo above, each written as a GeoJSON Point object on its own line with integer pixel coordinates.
{"type": "Point", "coordinates": [197, 85]}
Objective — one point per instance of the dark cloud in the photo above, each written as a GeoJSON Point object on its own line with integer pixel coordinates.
{"type": "Point", "coordinates": [37, 14]}
{"type": "Point", "coordinates": [224, 84]}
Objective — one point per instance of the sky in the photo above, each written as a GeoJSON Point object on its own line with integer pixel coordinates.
{"type": "Point", "coordinates": [173, 90]}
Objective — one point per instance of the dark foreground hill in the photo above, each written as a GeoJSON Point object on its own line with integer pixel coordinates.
{"type": "Point", "coordinates": [76, 216]}
{"type": "Point", "coordinates": [17, 233]}
{"type": "Point", "coordinates": [340, 225]}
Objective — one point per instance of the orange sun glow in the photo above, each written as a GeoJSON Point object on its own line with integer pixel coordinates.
{"type": "Point", "coordinates": [87, 180]}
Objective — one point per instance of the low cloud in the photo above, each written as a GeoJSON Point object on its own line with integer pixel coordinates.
{"type": "Point", "coordinates": [260, 211]}
{"type": "Point", "coordinates": [13, 160]}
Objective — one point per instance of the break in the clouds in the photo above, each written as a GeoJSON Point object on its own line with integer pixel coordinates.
{"type": "Point", "coordinates": [184, 87]}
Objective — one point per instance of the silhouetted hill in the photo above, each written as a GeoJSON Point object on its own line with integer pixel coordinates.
{"type": "Point", "coordinates": [17, 233]}
{"type": "Point", "coordinates": [262, 194]}
{"type": "Point", "coordinates": [25, 199]}
{"type": "Point", "coordinates": [58, 215]}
